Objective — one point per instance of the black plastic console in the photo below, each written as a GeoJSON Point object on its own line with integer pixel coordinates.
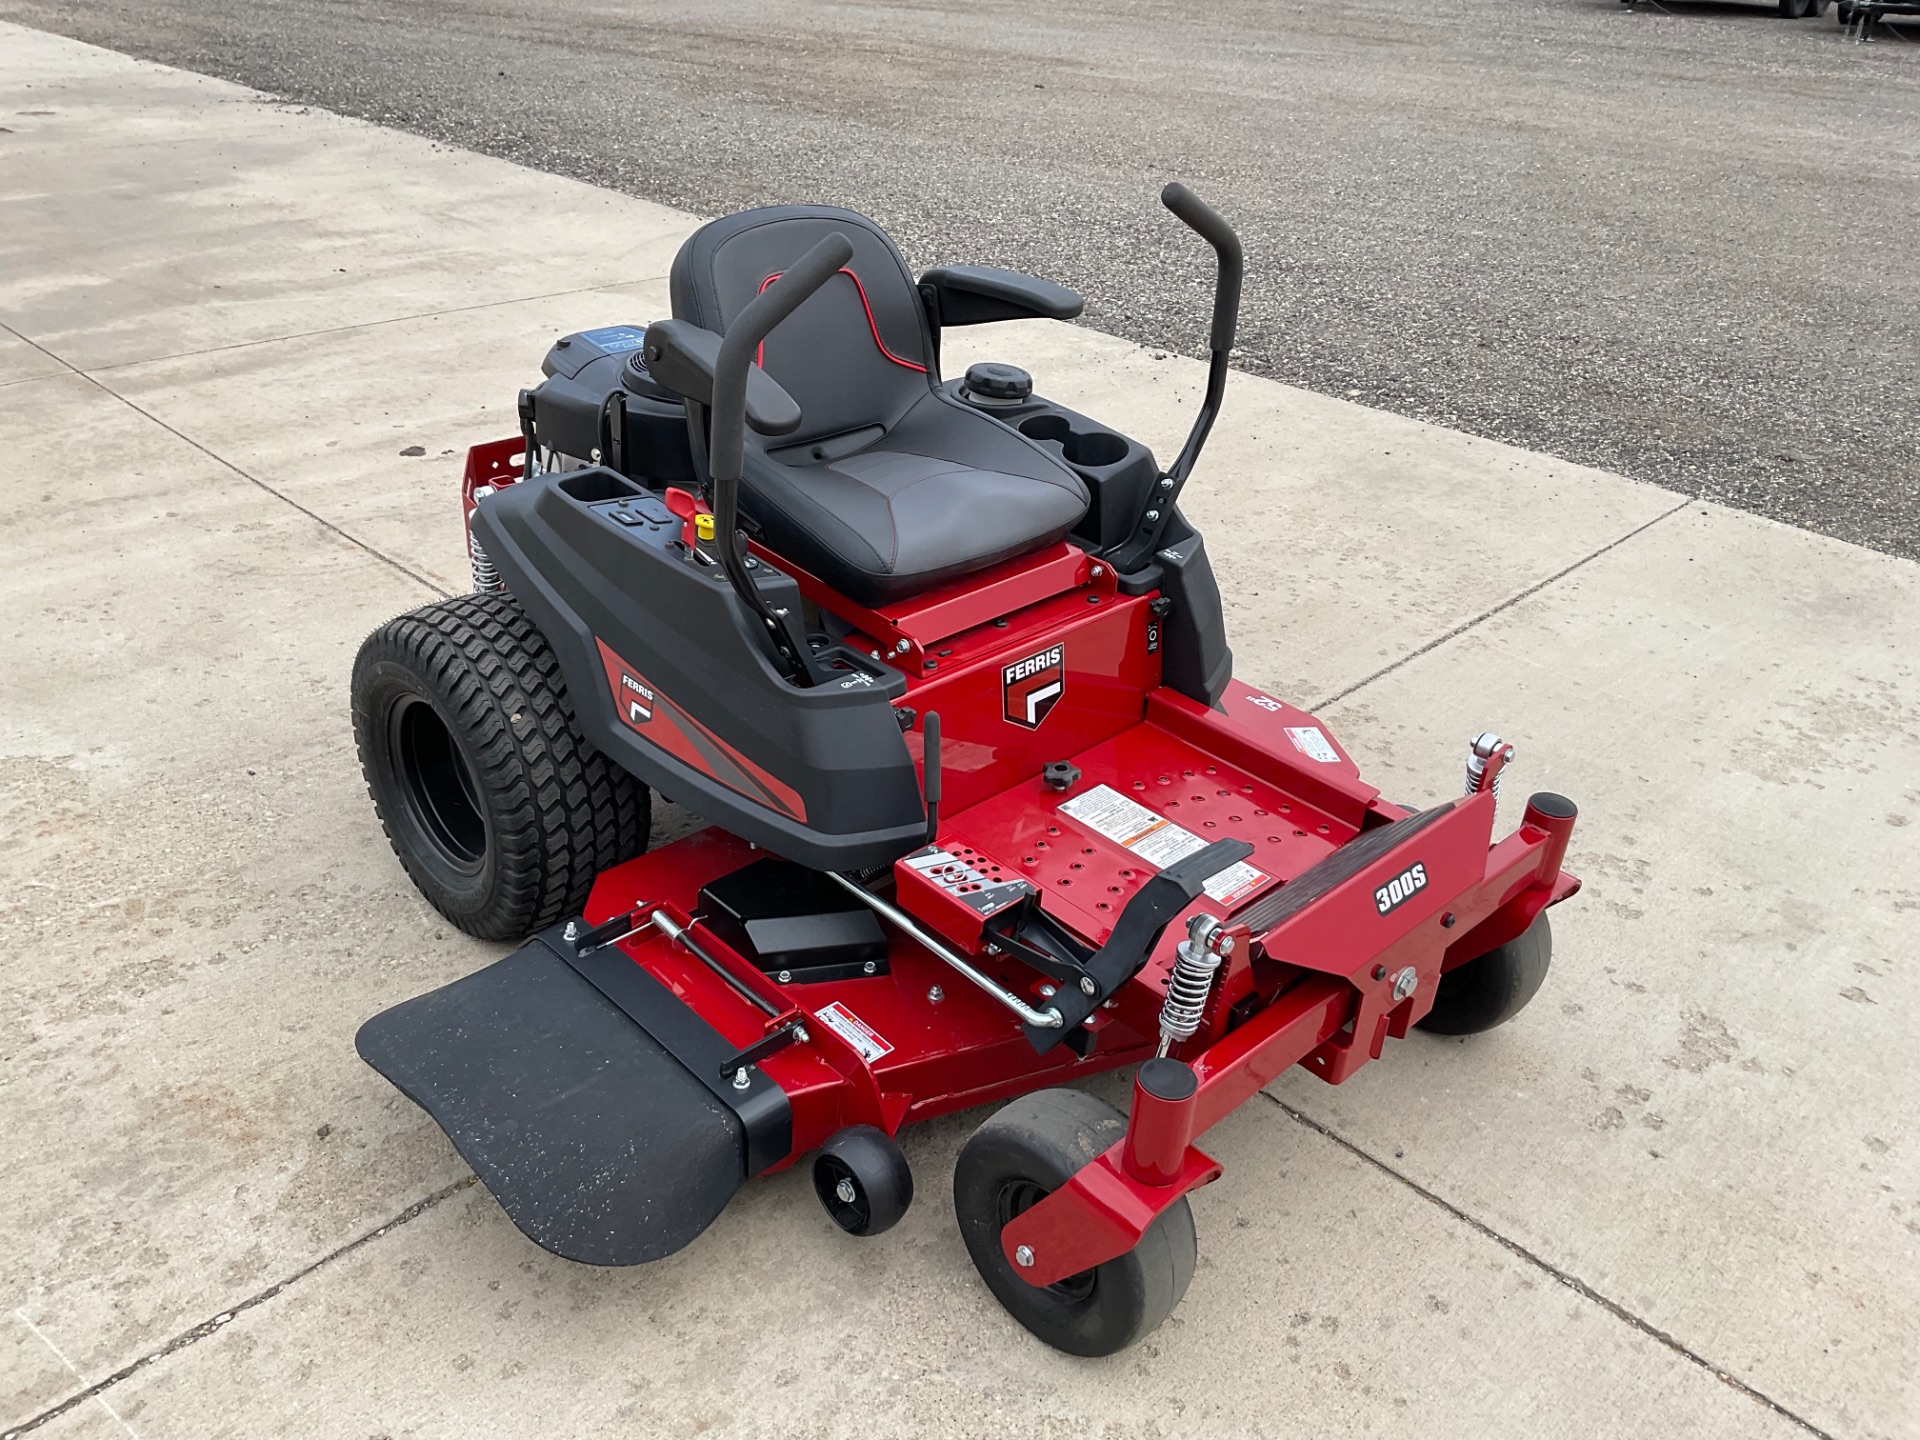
{"type": "Point", "coordinates": [1119, 473]}
{"type": "Point", "coordinates": [670, 676]}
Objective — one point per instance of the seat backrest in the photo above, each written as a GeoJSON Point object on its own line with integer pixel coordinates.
{"type": "Point", "coordinates": [856, 354]}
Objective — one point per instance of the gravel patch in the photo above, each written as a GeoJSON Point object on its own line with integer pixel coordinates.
{"type": "Point", "coordinates": [1674, 241]}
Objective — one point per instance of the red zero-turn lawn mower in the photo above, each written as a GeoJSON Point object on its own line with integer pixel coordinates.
{"type": "Point", "coordinates": [944, 667]}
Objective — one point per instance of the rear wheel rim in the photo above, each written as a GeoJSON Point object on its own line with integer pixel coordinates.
{"type": "Point", "coordinates": [437, 786]}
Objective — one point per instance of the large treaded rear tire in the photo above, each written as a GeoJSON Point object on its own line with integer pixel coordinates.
{"type": "Point", "coordinates": [497, 806]}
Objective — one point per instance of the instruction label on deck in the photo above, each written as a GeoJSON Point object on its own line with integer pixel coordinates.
{"type": "Point", "coordinates": [864, 1039]}
{"type": "Point", "coordinates": [1156, 840]}
{"type": "Point", "coordinates": [1311, 741]}
{"type": "Point", "coordinates": [971, 887]}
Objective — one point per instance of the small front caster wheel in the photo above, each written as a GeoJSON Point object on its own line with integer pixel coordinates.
{"type": "Point", "coordinates": [1013, 1162]}
{"type": "Point", "coordinates": [1493, 988]}
{"type": "Point", "coordinates": [863, 1181]}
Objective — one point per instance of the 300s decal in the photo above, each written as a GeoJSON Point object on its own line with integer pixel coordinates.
{"type": "Point", "coordinates": [1400, 889]}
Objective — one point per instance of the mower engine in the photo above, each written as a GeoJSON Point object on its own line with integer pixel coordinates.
{"type": "Point", "coordinates": [599, 406]}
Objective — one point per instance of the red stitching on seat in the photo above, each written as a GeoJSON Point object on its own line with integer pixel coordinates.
{"type": "Point", "coordinates": [760, 355]}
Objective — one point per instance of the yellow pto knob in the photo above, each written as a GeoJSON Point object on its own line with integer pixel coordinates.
{"type": "Point", "coordinates": [703, 526]}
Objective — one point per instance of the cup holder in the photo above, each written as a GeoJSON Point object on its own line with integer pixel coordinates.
{"type": "Point", "coordinates": [592, 486]}
{"type": "Point", "coordinates": [1094, 449]}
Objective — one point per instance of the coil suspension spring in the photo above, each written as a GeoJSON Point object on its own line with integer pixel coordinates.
{"type": "Point", "coordinates": [1195, 963]}
{"type": "Point", "coordinates": [1481, 751]}
{"type": "Point", "coordinates": [486, 575]}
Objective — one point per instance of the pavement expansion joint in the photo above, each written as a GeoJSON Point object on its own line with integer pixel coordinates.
{"type": "Point", "coordinates": [213, 1326]}
{"type": "Point", "coordinates": [222, 460]}
{"type": "Point", "coordinates": [1504, 605]}
{"type": "Point", "coordinates": [1547, 1267]}
{"type": "Point", "coordinates": [61, 1356]}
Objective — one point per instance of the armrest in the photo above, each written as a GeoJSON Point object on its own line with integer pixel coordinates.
{"type": "Point", "coordinates": [682, 356]}
{"type": "Point", "coordinates": [977, 294]}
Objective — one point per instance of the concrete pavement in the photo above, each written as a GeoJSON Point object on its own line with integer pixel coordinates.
{"type": "Point", "coordinates": [1679, 1196]}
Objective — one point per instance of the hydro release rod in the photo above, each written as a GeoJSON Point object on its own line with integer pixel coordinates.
{"type": "Point", "coordinates": [1048, 1019]}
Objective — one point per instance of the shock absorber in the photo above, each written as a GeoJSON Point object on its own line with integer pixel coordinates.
{"type": "Point", "coordinates": [486, 576]}
{"type": "Point", "coordinates": [1196, 962]}
{"type": "Point", "coordinates": [1487, 759]}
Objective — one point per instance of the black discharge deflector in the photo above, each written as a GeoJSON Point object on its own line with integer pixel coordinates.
{"type": "Point", "coordinates": [587, 1097]}
{"type": "Point", "coordinates": [794, 923]}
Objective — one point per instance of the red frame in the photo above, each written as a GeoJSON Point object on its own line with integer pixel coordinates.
{"type": "Point", "coordinates": [1316, 989]}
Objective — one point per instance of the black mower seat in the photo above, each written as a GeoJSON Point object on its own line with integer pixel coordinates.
{"type": "Point", "coordinates": [890, 485]}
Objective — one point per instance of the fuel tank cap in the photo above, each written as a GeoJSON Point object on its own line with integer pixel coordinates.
{"type": "Point", "coordinates": [990, 383]}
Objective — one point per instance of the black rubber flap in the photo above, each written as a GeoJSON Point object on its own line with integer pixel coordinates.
{"type": "Point", "coordinates": [596, 1141]}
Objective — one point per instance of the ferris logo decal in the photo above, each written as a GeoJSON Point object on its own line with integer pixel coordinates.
{"type": "Point", "coordinates": [1400, 889]}
{"type": "Point", "coordinates": [638, 699]}
{"type": "Point", "coordinates": [1030, 688]}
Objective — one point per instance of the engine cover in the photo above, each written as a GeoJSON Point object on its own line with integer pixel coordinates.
{"type": "Point", "coordinates": [599, 406]}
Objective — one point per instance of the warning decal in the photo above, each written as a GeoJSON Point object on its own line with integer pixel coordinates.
{"type": "Point", "coordinates": [855, 1031]}
{"type": "Point", "coordinates": [1312, 742]}
{"type": "Point", "coordinates": [1157, 840]}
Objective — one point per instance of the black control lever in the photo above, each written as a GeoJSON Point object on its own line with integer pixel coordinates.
{"type": "Point", "coordinates": [1152, 908]}
{"type": "Point", "coordinates": [727, 456]}
{"type": "Point", "coordinates": [930, 770]}
{"type": "Point", "coordinates": [682, 356]}
{"type": "Point", "coordinates": [1209, 225]}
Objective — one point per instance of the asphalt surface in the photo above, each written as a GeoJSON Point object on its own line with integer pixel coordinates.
{"type": "Point", "coordinates": [1677, 242]}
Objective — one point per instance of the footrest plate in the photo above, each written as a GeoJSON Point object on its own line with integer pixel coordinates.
{"type": "Point", "coordinates": [600, 1145]}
